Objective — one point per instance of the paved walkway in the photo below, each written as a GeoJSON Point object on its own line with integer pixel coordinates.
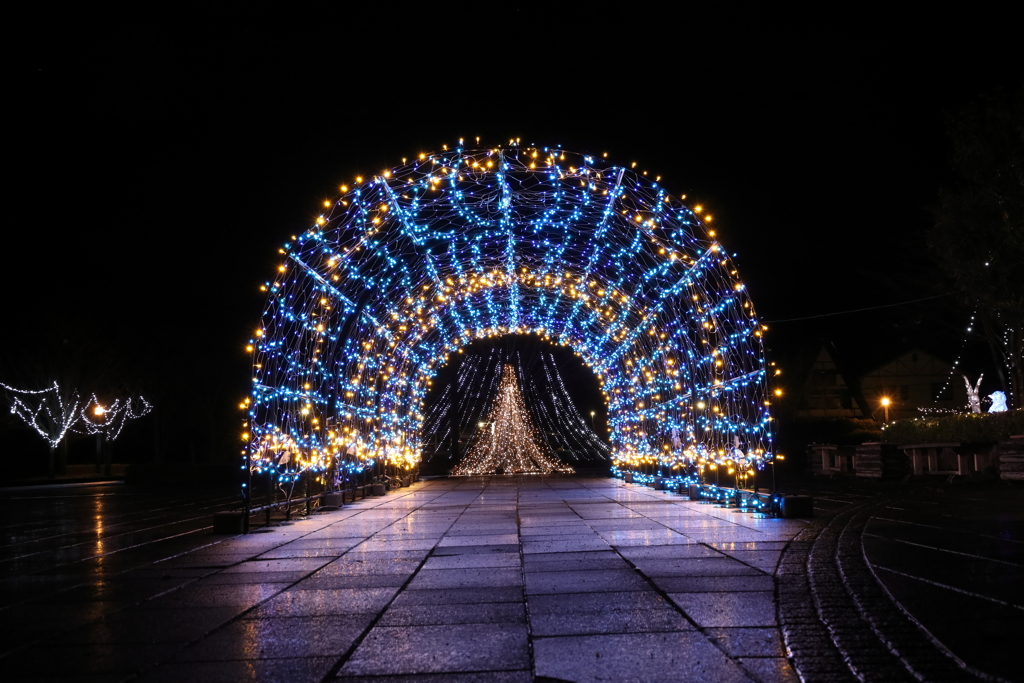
{"type": "Point", "coordinates": [472, 580]}
{"type": "Point", "coordinates": [493, 579]}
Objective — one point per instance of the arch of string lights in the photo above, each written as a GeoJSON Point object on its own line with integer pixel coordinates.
{"type": "Point", "coordinates": [405, 268]}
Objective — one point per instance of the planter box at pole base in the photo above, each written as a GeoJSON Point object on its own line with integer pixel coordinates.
{"type": "Point", "coordinates": [232, 522]}
{"type": "Point", "coordinates": [797, 506]}
{"type": "Point", "coordinates": [332, 500]}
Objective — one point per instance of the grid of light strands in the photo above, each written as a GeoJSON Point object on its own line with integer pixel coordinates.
{"type": "Point", "coordinates": [465, 398]}
{"type": "Point", "coordinates": [405, 268]}
{"type": "Point", "coordinates": [508, 442]}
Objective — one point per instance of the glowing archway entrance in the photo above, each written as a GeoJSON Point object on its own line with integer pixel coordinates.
{"type": "Point", "coordinates": [562, 395]}
{"type": "Point", "coordinates": [408, 266]}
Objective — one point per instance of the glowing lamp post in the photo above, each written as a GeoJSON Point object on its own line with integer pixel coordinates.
{"type": "Point", "coordinates": [99, 412]}
{"type": "Point", "coordinates": [885, 405]}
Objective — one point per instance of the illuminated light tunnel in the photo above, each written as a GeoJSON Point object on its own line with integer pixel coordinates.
{"type": "Point", "coordinates": [407, 267]}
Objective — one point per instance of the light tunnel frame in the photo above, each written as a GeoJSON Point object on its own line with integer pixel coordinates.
{"type": "Point", "coordinates": [409, 266]}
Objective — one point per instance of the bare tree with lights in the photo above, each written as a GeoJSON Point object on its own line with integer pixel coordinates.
{"type": "Point", "coordinates": [51, 412]}
{"type": "Point", "coordinates": [978, 237]}
{"type": "Point", "coordinates": [106, 422]}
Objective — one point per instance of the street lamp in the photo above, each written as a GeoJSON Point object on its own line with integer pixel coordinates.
{"type": "Point", "coordinates": [592, 413]}
{"type": "Point", "coordinates": [885, 405]}
{"type": "Point", "coordinates": [99, 411]}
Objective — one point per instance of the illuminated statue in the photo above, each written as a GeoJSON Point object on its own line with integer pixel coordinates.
{"type": "Point", "coordinates": [998, 402]}
{"type": "Point", "coordinates": [972, 394]}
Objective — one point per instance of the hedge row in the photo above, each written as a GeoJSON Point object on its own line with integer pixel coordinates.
{"type": "Point", "coordinates": [970, 428]}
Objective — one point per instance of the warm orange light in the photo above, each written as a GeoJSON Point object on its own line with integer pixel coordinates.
{"type": "Point", "coordinates": [885, 401]}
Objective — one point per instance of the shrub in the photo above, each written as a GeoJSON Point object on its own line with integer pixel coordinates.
{"type": "Point", "coordinates": [970, 428]}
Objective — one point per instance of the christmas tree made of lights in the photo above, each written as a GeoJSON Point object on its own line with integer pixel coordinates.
{"type": "Point", "coordinates": [507, 442]}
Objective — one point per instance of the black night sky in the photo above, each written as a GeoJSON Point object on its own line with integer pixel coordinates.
{"type": "Point", "coordinates": [155, 163]}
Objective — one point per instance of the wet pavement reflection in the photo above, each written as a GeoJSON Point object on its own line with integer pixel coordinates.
{"type": "Point", "coordinates": [499, 578]}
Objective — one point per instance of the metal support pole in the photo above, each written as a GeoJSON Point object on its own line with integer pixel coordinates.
{"type": "Point", "coordinates": [271, 494]}
{"type": "Point", "coordinates": [309, 502]}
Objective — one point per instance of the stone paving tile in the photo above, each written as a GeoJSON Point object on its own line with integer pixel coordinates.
{"type": "Point", "coordinates": [567, 545]}
{"type": "Point", "coordinates": [483, 529]}
{"type": "Point", "coordinates": [771, 669]}
{"type": "Point", "coordinates": [480, 613]}
{"type": "Point", "coordinates": [475, 560]}
{"type": "Point", "coordinates": [609, 621]}
{"type": "Point", "coordinates": [583, 535]}
{"type": "Point", "coordinates": [390, 544]}
{"type": "Point", "coordinates": [640, 657]}
{"type": "Point", "coordinates": [483, 577]}
{"type": "Point", "coordinates": [245, 595]}
{"type": "Point", "coordinates": [289, 553]}
{"type": "Point", "coordinates": [155, 571]}
{"type": "Point", "coordinates": [726, 546]}
{"type": "Point", "coordinates": [475, 677]}
{"type": "Point", "coordinates": [207, 560]}
{"type": "Point", "coordinates": [220, 578]}
{"type": "Point", "coordinates": [344, 530]}
{"type": "Point", "coordinates": [325, 602]}
{"type": "Point", "coordinates": [527, 520]}
{"type": "Point", "coordinates": [718, 584]}
{"type": "Point", "coordinates": [308, 564]}
{"type": "Point", "coordinates": [644, 537]}
{"type": "Point", "coordinates": [727, 609]}
{"type": "Point", "coordinates": [574, 603]}
{"type": "Point", "coordinates": [582, 563]}
{"type": "Point", "coordinates": [749, 642]}
{"type": "Point", "coordinates": [436, 649]}
{"type": "Point", "coordinates": [305, 636]}
{"type": "Point", "coordinates": [291, 670]}
{"type": "Point", "coordinates": [316, 582]}
{"type": "Point", "coordinates": [490, 539]}
{"type": "Point", "coordinates": [390, 534]}
{"type": "Point", "coordinates": [37, 616]}
{"type": "Point", "coordinates": [357, 566]}
{"type": "Point", "coordinates": [356, 554]}
{"type": "Point", "coordinates": [631, 523]}
{"type": "Point", "coordinates": [548, 531]}
{"type": "Point", "coordinates": [73, 661]}
{"type": "Point", "coordinates": [686, 567]}
{"type": "Point", "coordinates": [482, 549]}
{"type": "Point", "coordinates": [142, 626]}
{"type": "Point", "coordinates": [602, 581]}
{"type": "Point", "coordinates": [460, 596]}
{"type": "Point", "coordinates": [341, 544]}
{"type": "Point", "coordinates": [668, 552]}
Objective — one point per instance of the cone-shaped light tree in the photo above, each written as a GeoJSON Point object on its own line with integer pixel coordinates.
{"type": "Point", "coordinates": [508, 442]}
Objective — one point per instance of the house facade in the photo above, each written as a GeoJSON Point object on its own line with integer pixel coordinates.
{"type": "Point", "coordinates": [915, 379]}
